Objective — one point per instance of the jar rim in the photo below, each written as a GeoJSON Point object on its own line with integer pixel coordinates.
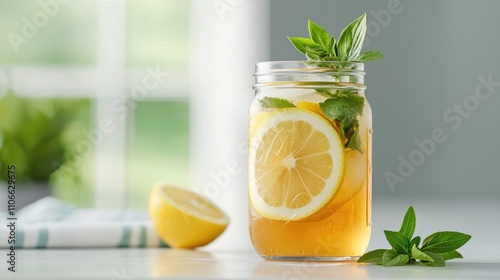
{"type": "Point", "coordinates": [308, 66]}
{"type": "Point", "coordinates": [309, 73]}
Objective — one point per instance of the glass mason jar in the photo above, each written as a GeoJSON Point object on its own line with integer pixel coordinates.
{"type": "Point", "coordinates": [310, 139]}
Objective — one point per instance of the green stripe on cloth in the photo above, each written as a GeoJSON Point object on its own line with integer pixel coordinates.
{"type": "Point", "coordinates": [43, 238]}
{"type": "Point", "coordinates": [125, 241]}
{"type": "Point", "coordinates": [142, 238]}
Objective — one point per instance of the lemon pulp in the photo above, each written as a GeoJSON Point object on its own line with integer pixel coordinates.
{"type": "Point", "coordinates": [296, 164]}
{"type": "Point", "coordinates": [184, 219]}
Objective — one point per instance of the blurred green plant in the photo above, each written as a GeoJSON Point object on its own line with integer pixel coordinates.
{"type": "Point", "coordinates": [36, 135]}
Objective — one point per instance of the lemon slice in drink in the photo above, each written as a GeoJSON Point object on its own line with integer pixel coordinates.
{"type": "Point", "coordinates": [257, 120]}
{"type": "Point", "coordinates": [184, 219]}
{"type": "Point", "coordinates": [313, 107]}
{"type": "Point", "coordinates": [296, 164]}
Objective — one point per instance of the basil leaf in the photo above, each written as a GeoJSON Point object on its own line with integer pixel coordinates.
{"type": "Point", "coordinates": [345, 107]}
{"type": "Point", "coordinates": [316, 48]}
{"type": "Point", "coordinates": [451, 255]}
{"type": "Point", "coordinates": [374, 256]}
{"type": "Point", "coordinates": [347, 48]}
{"type": "Point", "coordinates": [438, 260]}
{"type": "Point", "coordinates": [370, 56]}
{"type": "Point", "coordinates": [404, 251]}
{"type": "Point", "coordinates": [444, 241]}
{"type": "Point", "coordinates": [332, 48]}
{"type": "Point", "coordinates": [388, 256]}
{"type": "Point", "coordinates": [354, 142]}
{"type": "Point", "coordinates": [323, 47]}
{"type": "Point", "coordinates": [398, 241]}
{"type": "Point", "coordinates": [415, 241]}
{"type": "Point", "coordinates": [311, 54]}
{"type": "Point", "coordinates": [273, 102]}
{"type": "Point", "coordinates": [340, 107]}
{"type": "Point", "coordinates": [351, 39]}
{"type": "Point", "coordinates": [419, 255]}
{"type": "Point", "coordinates": [409, 223]}
{"type": "Point", "coordinates": [319, 35]}
{"type": "Point", "coordinates": [301, 43]}
{"type": "Point", "coordinates": [392, 258]}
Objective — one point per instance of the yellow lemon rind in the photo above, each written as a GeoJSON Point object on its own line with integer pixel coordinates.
{"type": "Point", "coordinates": [333, 182]}
{"type": "Point", "coordinates": [180, 227]}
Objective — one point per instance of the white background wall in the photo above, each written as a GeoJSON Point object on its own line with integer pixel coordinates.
{"type": "Point", "coordinates": [226, 41]}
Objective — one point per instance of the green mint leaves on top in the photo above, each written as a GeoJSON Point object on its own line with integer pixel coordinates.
{"type": "Point", "coordinates": [344, 106]}
{"type": "Point", "coordinates": [351, 39]}
{"type": "Point", "coordinates": [435, 250]}
{"type": "Point", "coordinates": [370, 56]}
{"type": "Point", "coordinates": [322, 46]}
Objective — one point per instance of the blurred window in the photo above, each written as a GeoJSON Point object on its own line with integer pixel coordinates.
{"type": "Point", "coordinates": [123, 61]}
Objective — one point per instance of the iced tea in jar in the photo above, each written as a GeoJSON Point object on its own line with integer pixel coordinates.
{"type": "Point", "coordinates": [310, 140]}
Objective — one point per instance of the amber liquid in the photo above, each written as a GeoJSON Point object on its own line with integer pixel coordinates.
{"type": "Point", "coordinates": [345, 232]}
{"type": "Point", "coordinates": [339, 231]}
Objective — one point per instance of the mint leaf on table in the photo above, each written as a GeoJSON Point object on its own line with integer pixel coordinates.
{"type": "Point", "coordinates": [392, 258]}
{"type": "Point", "coordinates": [452, 255]}
{"type": "Point", "coordinates": [415, 241]}
{"type": "Point", "coordinates": [444, 241]}
{"type": "Point", "coordinates": [436, 249]}
{"type": "Point", "coordinates": [398, 241]}
{"type": "Point", "coordinates": [409, 223]}
{"type": "Point", "coordinates": [437, 260]}
{"type": "Point", "coordinates": [374, 256]}
{"type": "Point", "coordinates": [419, 255]}
{"type": "Point", "coordinates": [274, 102]}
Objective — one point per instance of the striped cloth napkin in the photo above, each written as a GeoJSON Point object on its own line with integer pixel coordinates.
{"type": "Point", "coordinates": [51, 223]}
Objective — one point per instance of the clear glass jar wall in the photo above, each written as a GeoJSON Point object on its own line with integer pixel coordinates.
{"type": "Point", "coordinates": [310, 140]}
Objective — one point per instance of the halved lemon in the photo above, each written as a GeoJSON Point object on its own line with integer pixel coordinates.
{"type": "Point", "coordinates": [296, 164]}
{"type": "Point", "coordinates": [184, 219]}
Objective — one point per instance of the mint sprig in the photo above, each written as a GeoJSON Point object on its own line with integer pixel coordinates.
{"type": "Point", "coordinates": [344, 106]}
{"type": "Point", "coordinates": [345, 109]}
{"type": "Point", "coordinates": [436, 249]}
{"type": "Point", "coordinates": [322, 46]}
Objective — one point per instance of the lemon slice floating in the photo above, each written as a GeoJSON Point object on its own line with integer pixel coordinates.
{"type": "Point", "coordinates": [296, 164]}
{"type": "Point", "coordinates": [184, 219]}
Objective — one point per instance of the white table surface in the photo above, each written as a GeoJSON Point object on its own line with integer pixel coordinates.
{"type": "Point", "coordinates": [478, 217]}
{"type": "Point", "coordinates": [121, 264]}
